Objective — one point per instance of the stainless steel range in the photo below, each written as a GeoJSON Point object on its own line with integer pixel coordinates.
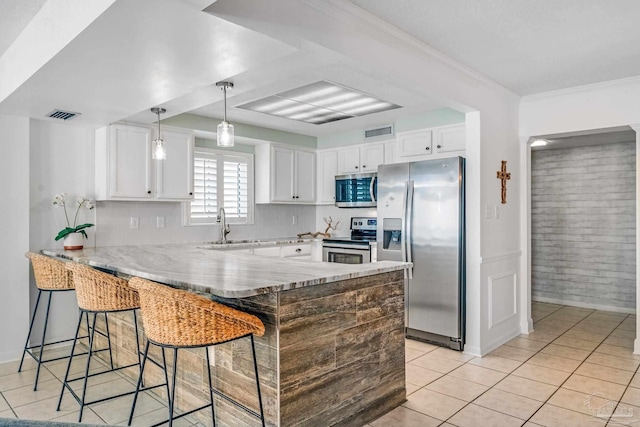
{"type": "Point", "coordinates": [355, 249]}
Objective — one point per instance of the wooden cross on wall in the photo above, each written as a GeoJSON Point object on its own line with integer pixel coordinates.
{"type": "Point", "coordinates": [504, 176]}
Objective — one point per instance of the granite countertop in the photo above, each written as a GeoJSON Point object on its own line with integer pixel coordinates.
{"type": "Point", "coordinates": [223, 273]}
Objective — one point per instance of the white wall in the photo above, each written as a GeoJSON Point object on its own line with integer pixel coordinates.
{"type": "Point", "coordinates": [14, 217]}
{"type": "Point", "coordinates": [599, 106]}
{"type": "Point", "coordinates": [61, 160]}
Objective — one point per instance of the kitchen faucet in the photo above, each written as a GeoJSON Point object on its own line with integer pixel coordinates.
{"type": "Point", "coordinates": [225, 229]}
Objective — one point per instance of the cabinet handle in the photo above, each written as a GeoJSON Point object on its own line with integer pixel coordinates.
{"type": "Point", "coordinates": [298, 250]}
{"type": "Point", "coordinates": [148, 191]}
{"type": "Point", "coordinates": [427, 148]}
{"type": "Point", "coordinates": [191, 194]}
{"type": "Point", "coordinates": [439, 146]}
{"type": "Point", "coordinates": [356, 167]}
{"type": "Point", "coordinates": [364, 166]}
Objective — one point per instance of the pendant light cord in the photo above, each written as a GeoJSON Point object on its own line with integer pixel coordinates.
{"type": "Point", "coordinates": [224, 91]}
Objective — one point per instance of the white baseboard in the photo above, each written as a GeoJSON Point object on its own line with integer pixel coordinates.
{"type": "Point", "coordinates": [526, 327]}
{"type": "Point", "coordinates": [585, 305]}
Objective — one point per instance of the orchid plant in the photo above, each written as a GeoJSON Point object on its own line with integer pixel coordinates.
{"type": "Point", "coordinates": [60, 200]}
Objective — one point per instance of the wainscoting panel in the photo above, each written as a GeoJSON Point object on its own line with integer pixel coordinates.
{"type": "Point", "coordinates": [583, 225]}
{"type": "Point", "coordinates": [502, 298]}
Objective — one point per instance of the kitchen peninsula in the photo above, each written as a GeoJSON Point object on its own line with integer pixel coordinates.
{"type": "Point", "coordinates": [333, 350]}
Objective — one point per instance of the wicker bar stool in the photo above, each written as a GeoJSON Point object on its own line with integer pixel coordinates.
{"type": "Point", "coordinates": [177, 319]}
{"type": "Point", "coordinates": [98, 292]}
{"type": "Point", "coordinates": [51, 276]}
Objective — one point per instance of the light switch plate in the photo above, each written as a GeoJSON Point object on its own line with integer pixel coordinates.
{"type": "Point", "coordinates": [134, 223]}
{"type": "Point", "coordinates": [160, 222]}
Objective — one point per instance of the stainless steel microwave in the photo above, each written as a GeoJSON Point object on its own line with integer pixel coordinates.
{"type": "Point", "coordinates": [357, 190]}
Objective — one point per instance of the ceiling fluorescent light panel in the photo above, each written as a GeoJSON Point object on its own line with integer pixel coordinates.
{"type": "Point", "coordinates": [319, 103]}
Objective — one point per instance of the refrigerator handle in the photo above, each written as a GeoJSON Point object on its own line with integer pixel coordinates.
{"type": "Point", "coordinates": [409, 218]}
{"type": "Point", "coordinates": [403, 231]}
{"type": "Point", "coordinates": [373, 196]}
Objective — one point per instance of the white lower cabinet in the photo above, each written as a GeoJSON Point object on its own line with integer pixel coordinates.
{"type": "Point", "coordinates": [298, 251]}
{"type": "Point", "coordinates": [285, 175]}
{"type": "Point", "coordinates": [124, 169]}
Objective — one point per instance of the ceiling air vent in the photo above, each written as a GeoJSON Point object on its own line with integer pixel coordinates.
{"type": "Point", "coordinates": [378, 132]}
{"type": "Point", "coordinates": [62, 115]}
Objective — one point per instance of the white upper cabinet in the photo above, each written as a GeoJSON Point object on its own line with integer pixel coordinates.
{"type": "Point", "coordinates": [327, 171]}
{"type": "Point", "coordinates": [371, 156]}
{"type": "Point", "coordinates": [437, 142]}
{"type": "Point", "coordinates": [305, 176]}
{"type": "Point", "coordinates": [450, 138]}
{"type": "Point", "coordinates": [174, 175]}
{"type": "Point", "coordinates": [125, 171]}
{"type": "Point", "coordinates": [349, 160]}
{"type": "Point", "coordinates": [414, 143]}
{"type": "Point", "coordinates": [360, 158]}
{"type": "Point", "coordinates": [282, 175]}
{"type": "Point", "coordinates": [285, 175]}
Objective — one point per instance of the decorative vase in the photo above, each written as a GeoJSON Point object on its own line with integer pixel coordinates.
{"type": "Point", "coordinates": [73, 241]}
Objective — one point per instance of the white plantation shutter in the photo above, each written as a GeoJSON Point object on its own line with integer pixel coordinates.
{"type": "Point", "coordinates": [205, 187]}
{"type": "Point", "coordinates": [236, 186]}
{"type": "Point", "coordinates": [221, 179]}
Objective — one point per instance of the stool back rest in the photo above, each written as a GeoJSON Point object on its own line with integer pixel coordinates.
{"type": "Point", "coordinates": [176, 317]}
{"type": "Point", "coordinates": [50, 273]}
{"type": "Point", "coordinates": [99, 291]}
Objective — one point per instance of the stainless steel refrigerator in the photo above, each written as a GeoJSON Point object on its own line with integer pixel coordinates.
{"type": "Point", "coordinates": [421, 220]}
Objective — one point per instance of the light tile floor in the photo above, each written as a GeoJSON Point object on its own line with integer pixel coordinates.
{"type": "Point", "coordinates": [576, 369]}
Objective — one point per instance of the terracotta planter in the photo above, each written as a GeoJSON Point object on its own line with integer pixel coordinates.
{"type": "Point", "coordinates": [73, 241]}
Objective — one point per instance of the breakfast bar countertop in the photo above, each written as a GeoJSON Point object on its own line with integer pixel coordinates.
{"type": "Point", "coordinates": [225, 273]}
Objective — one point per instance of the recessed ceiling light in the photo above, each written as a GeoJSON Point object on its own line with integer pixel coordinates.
{"type": "Point", "coordinates": [319, 103]}
{"type": "Point", "coordinates": [539, 143]}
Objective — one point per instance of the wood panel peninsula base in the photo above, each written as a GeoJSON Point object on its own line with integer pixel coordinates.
{"type": "Point", "coordinates": [332, 354]}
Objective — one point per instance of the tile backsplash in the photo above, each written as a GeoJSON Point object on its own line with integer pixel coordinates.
{"type": "Point", "coordinates": [113, 224]}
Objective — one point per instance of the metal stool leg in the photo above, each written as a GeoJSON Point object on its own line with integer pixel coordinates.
{"type": "Point", "coordinates": [33, 318]}
{"type": "Point", "coordinates": [135, 327]}
{"type": "Point", "coordinates": [73, 349]}
{"type": "Point", "coordinates": [44, 334]}
{"type": "Point", "coordinates": [213, 411]}
{"type": "Point", "coordinates": [88, 366]}
{"type": "Point", "coordinates": [106, 322]}
{"type": "Point", "coordinates": [139, 384]}
{"type": "Point", "coordinates": [173, 387]}
{"type": "Point", "coordinates": [255, 366]}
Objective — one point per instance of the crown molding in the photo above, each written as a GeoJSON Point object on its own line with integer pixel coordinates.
{"type": "Point", "coordinates": [584, 88]}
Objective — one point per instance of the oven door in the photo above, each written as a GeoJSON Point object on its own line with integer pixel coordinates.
{"type": "Point", "coordinates": [343, 255]}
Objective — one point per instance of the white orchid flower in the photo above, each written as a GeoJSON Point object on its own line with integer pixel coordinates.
{"type": "Point", "coordinates": [58, 199]}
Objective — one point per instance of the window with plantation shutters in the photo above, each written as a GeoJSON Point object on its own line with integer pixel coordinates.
{"type": "Point", "coordinates": [221, 179]}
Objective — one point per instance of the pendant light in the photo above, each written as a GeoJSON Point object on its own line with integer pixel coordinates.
{"type": "Point", "coordinates": [225, 129]}
{"type": "Point", "coordinates": [159, 151]}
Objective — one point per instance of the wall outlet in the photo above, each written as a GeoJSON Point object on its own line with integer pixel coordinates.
{"type": "Point", "coordinates": [496, 212]}
{"type": "Point", "coordinates": [487, 212]}
{"type": "Point", "coordinates": [294, 219]}
{"type": "Point", "coordinates": [159, 222]}
{"type": "Point", "coordinates": [134, 223]}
